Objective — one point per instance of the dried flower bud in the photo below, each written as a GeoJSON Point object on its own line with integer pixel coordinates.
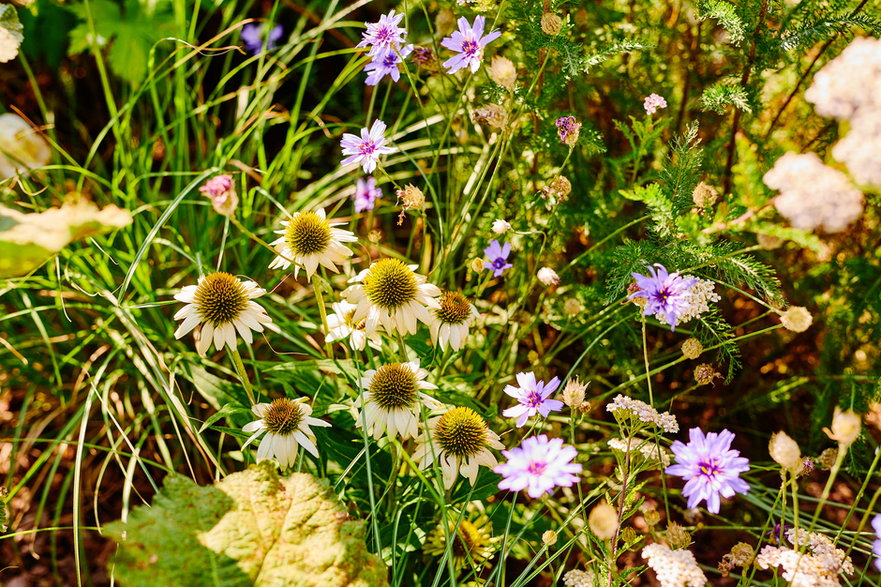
{"type": "Point", "coordinates": [629, 535]}
{"type": "Point", "coordinates": [549, 538]}
{"type": "Point", "coordinates": [558, 189]}
{"type": "Point", "coordinates": [704, 195]}
{"type": "Point", "coordinates": [503, 72]}
{"type": "Point", "coordinates": [220, 190]}
{"type": "Point", "coordinates": [492, 115]}
{"type": "Point", "coordinates": [845, 427]}
{"type": "Point", "coordinates": [411, 198]}
{"type": "Point", "coordinates": [741, 555]}
{"type": "Point", "coordinates": [705, 374]}
{"type": "Point", "coordinates": [573, 393]}
{"type": "Point", "coordinates": [652, 517]}
{"type": "Point", "coordinates": [425, 58]}
{"type": "Point", "coordinates": [827, 458]}
{"type": "Point", "coordinates": [768, 242]}
{"type": "Point", "coordinates": [603, 521]}
{"type": "Point", "coordinates": [785, 452]}
{"type": "Point", "coordinates": [477, 265]}
{"type": "Point", "coordinates": [677, 537]}
{"type": "Point", "coordinates": [374, 236]}
{"type": "Point", "coordinates": [548, 276]}
{"type": "Point", "coordinates": [633, 288]}
{"type": "Point", "coordinates": [444, 22]}
{"type": "Point", "coordinates": [796, 319]}
{"type": "Point", "coordinates": [551, 24]}
{"type": "Point", "coordinates": [572, 307]}
{"type": "Point", "coordinates": [692, 348]}
{"type": "Point", "coordinates": [568, 129]}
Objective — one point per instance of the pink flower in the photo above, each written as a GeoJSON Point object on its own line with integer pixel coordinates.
{"type": "Point", "coordinates": [384, 35]}
{"type": "Point", "coordinates": [653, 103]}
{"type": "Point", "coordinates": [222, 194]}
{"type": "Point", "coordinates": [366, 194]}
{"type": "Point", "coordinates": [468, 42]}
{"type": "Point", "coordinates": [539, 465]}
{"type": "Point", "coordinates": [367, 148]}
{"type": "Point", "coordinates": [533, 397]}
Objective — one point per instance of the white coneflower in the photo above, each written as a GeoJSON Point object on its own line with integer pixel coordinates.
{"type": "Point", "coordinates": [309, 240]}
{"type": "Point", "coordinates": [391, 294]}
{"type": "Point", "coordinates": [674, 568]}
{"type": "Point", "coordinates": [459, 441]}
{"type": "Point", "coordinates": [548, 276]}
{"type": "Point", "coordinates": [341, 325]}
{"type": "Point", "coordinates": [223, 305]}
{"type": "Point", "coordinates": [391, 399]}
{"type": "Point", "coordinates": [286, 423]}
{"type": "Point", "coordinates": [451, 319]}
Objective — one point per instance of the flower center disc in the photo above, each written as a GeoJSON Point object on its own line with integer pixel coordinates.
{"type": "Point", "coordinates": [394, 386]}
{"type": "Point", "coordinates": [220, 298]}
{"type": "Point", "coordinates": [390, 284]}
{"type": "Point", "coordinates": [468, 540]}
{"type": "Point", "coordinates": [307, 233]}
{"type": "Point", "coordinates": [454, 308]}
{"type": "Point", "coordinates": [461, 432]}
{"type": "Point", "coordinates": [283, 416]}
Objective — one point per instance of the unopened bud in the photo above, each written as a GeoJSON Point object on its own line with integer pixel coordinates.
{"type": "Point", "coordinates": [785, 452]}
{"type": "Point", "coordinates": [477, 265]}
{"type": "Point", "coordinates": [845, 427]}
{"type": "Point", "coordinates": [704, 195]}
{"type": "Point", "coordinates": [503, 72]}
{"type": "Point", "coordinates": [551, 24]}
{"type": "Point", "coordinates": [677, 537]}
{"type": "Point", "coordinates": [572, 307]}
{"type": "Point", "coordinates": [603, 521]}
{"type": "Point", "coordinates": [796, 319]}
{"type": "Point", "coordinates": [549, 538]}
{"type": "Point", "coordinates": [548, 276]}
{"type": "Point", "coordinates": [692, 348]}
{"type": "Point", "coordinates": [827, 458]}
{"type": "Point", "coordinates": [705, 374]}
{"type": "Point", "coordinates": [573, 393]}
{"type": "Point", "coordinates": [652, 517]}
{"type": "Point", "coordinates": [501, 226]}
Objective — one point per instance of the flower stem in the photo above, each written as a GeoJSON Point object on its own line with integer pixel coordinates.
{"type": "Point", "coordinates": [243, 375]}
{"type": "Point", "coordinates": [319, 297]}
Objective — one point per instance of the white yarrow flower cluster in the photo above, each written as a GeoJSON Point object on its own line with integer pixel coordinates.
{"type": "Point", "coordinates": [849, 88]}
{"type": "Point", "coordinates": [674, 568]}
{"type": "Point", "coordinates": [647, 449]}
{"type": "Point", "coordinates": [819, 567]}
{"type": "Point", "coordinates": [703, 293]}
{"type": "Point", "coordinates": [579, 578]}
{"type": "Point", "coordinates": [623, 406]}
{"type": "Point", "coordinates": [812, 194]}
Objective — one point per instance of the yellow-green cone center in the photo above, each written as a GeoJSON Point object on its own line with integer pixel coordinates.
{"type": "Point", "coordinates": [282, 416]}
{"type": "Point", "coordinates": [390, 284]}
{"type": "Point", "coordinates": [307, 233]}
{"type": "Point", "coordinates": [454, 308]}
{"type": "Point", "coordinates": [220, 298]}
{"type": "Point", "coordinates": [468, 541]}
{"type": "Point", "coordinates": [394, 386]}
{"type": "Point", "coordinates": [461, 432]}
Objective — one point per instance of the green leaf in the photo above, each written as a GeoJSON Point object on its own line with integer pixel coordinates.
{"type": "Point", "coordinates": [719, 96]}
{"type": "Point", "coordinates": [251, 528]}
{"type": "Point", "coordinates": [726, 15]}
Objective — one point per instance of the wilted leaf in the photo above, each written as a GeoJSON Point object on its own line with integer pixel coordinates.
{"type": "Point", "coordinates": [27, 240]}
{"type": "Point", "coordinates": [252, 528]}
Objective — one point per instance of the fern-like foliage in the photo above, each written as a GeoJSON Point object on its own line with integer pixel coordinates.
{"type": "Point", "coordinates": [606, 52]}
{"type": "Point", "coordinates": [711, 329]}
{"type": "Point", "coordinates": [808, 34]}
{"type": "Point", "coordinates": [681, 169]}
{"type": "Point", "coordinates": [726, 15]}
{"type": "Point", "coordinates": [720, 96]}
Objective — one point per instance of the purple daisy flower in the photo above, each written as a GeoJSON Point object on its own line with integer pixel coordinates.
{"type": "Point", "coordinates": [710, 467]}
{"type": "Point", "coordinates": [498, 257]}
{"type": "Point", "coordinates": [667, 294]}
{"type": "Point", "coordinates": [256, 39]}
{"type": "Point", "coordinates": [468, 42]}
{"type": "Point", "coordinates": [367, 148]}
{"type": "Point", "coordinates": [876, 546]}
{"type": "Point", "coordinates": [568, 129]}
{"type": "Point", "coordinates": [538, 465]}
{"type": "Point", "coordinates": [366, 194]}
{"type": "Point", "coordinates": [384, 35]}
{"type": "Point", "coordinates": [533, 397]}
{"type": "Point", "coordinates": [386, 63]}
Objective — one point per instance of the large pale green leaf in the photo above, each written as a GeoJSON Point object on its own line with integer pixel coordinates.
{"type": "Point", "coordinates": [250, 528]}
{"type": "Point", "coordinates": [27, 240]}
{"type": "Point", "coordinates": [10, 33]}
